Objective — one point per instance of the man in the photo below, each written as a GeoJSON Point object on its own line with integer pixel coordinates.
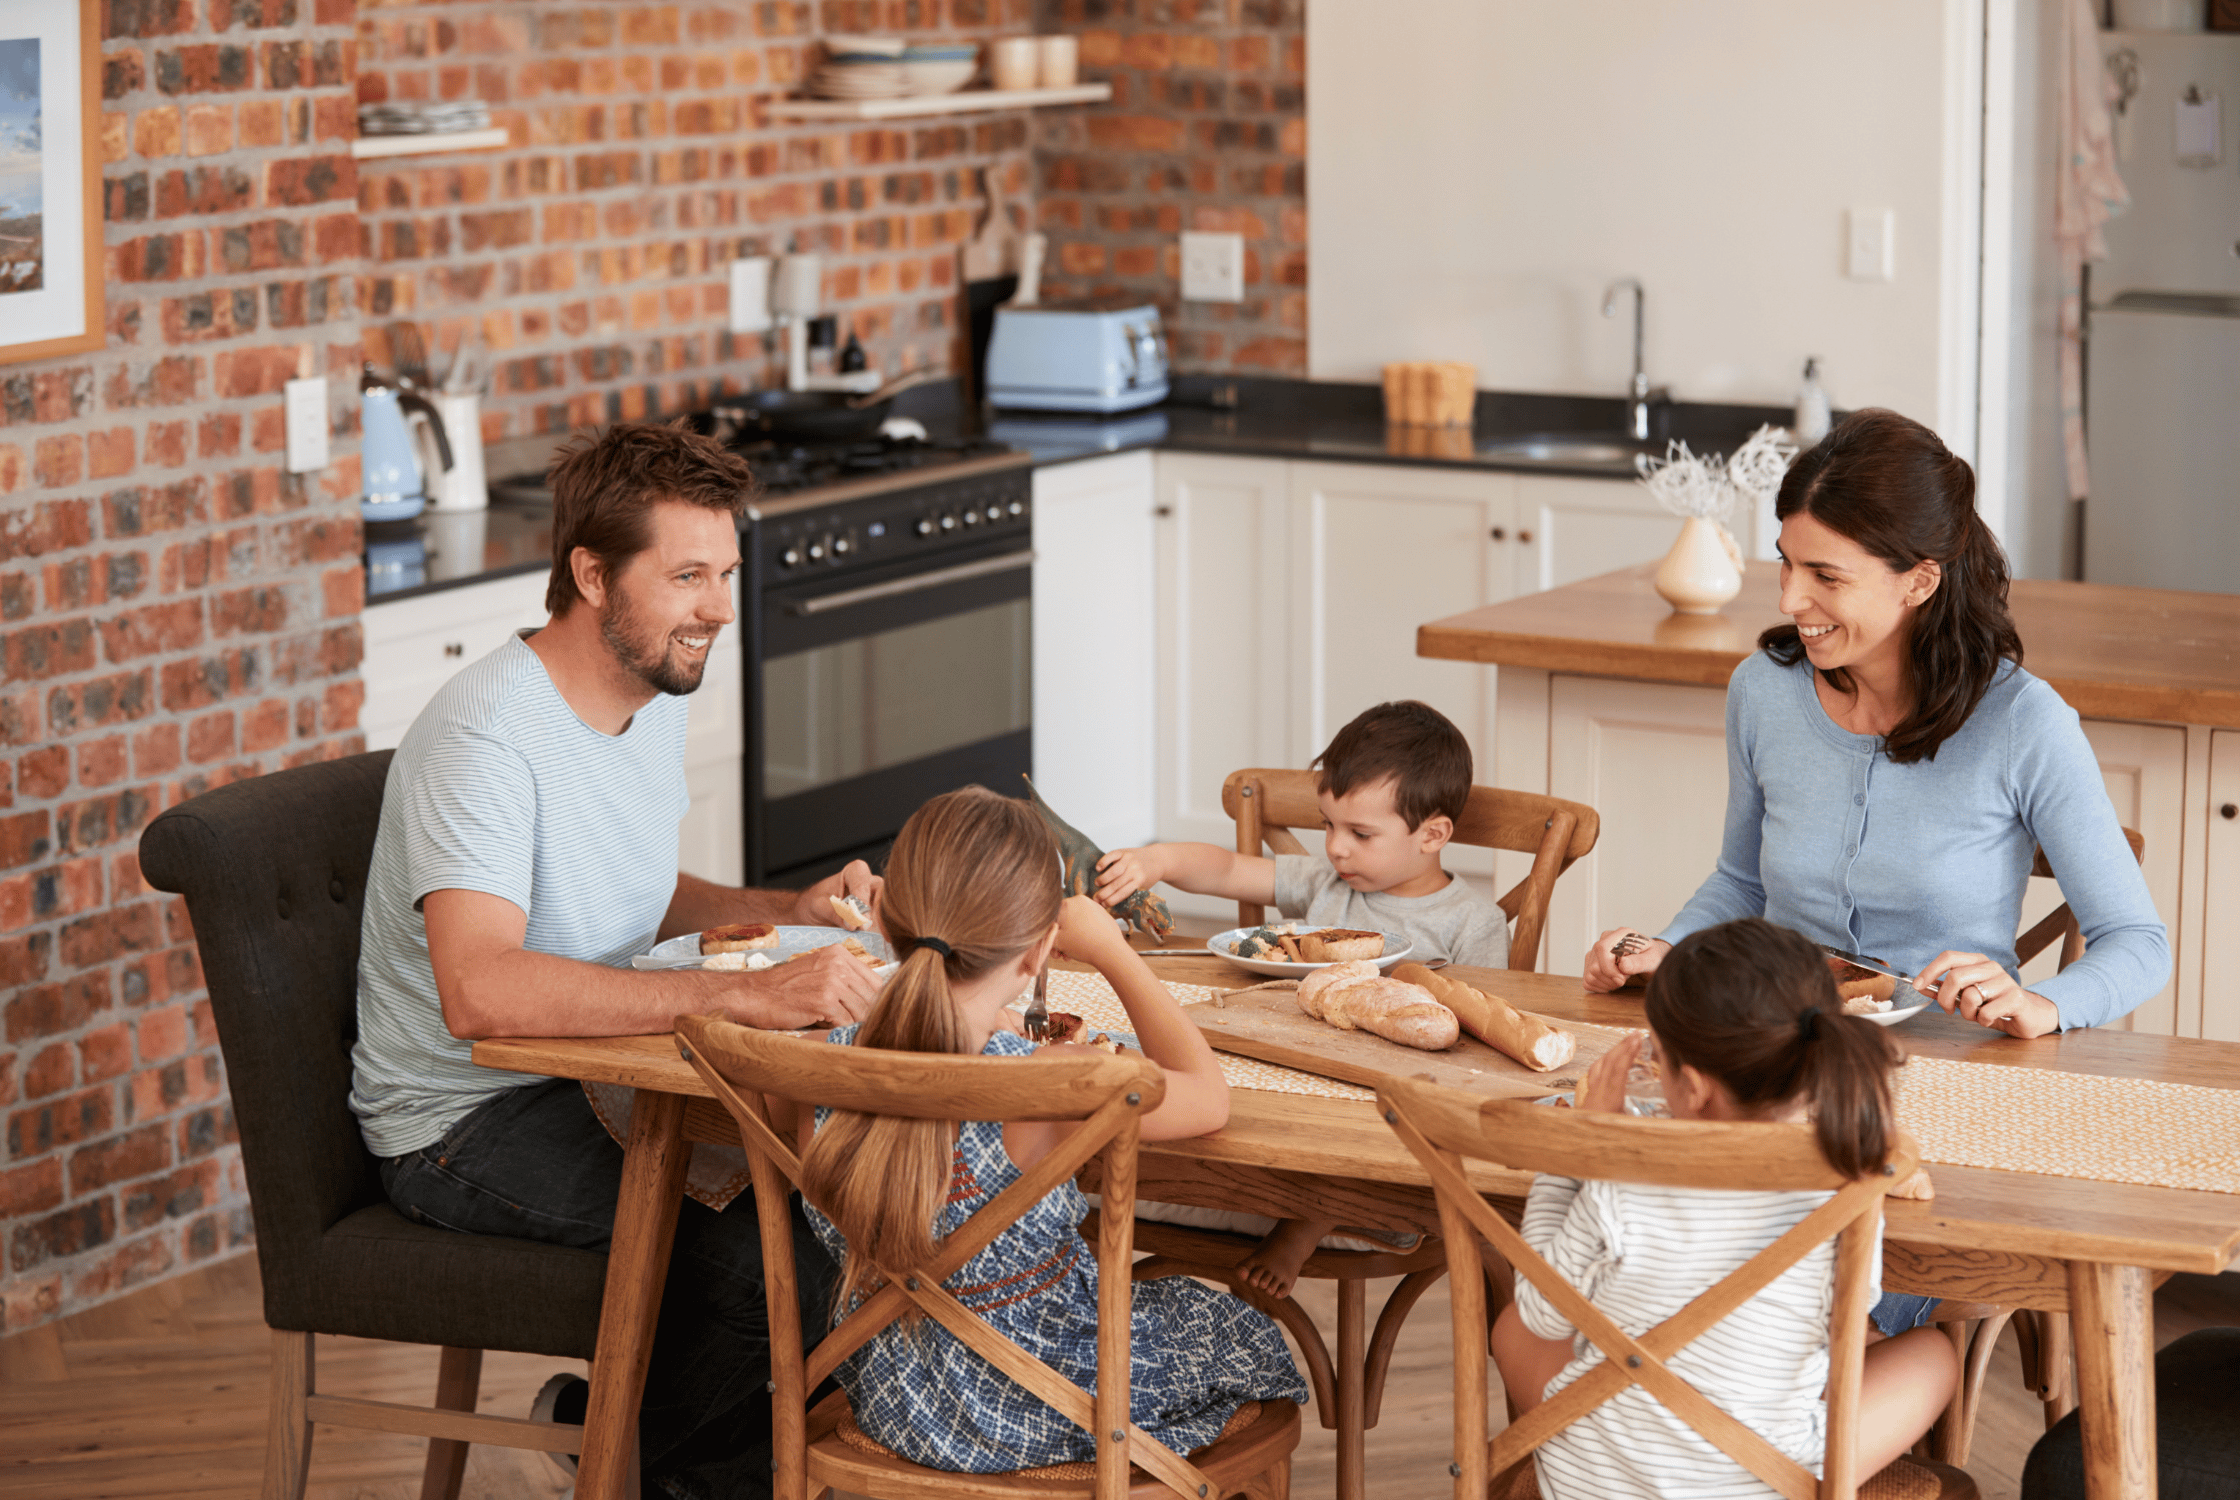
{"type": "Point", "coordinates": [528, 848]}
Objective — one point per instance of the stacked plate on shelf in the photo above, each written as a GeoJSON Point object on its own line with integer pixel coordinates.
{"type": "Point", "coordinates": [422, 117]}
{"type": "Point", "coordinates": [861, 67]}
{"type": "Point", "coordinates": [939, 67]}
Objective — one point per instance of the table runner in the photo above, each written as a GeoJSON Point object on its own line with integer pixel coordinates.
{"type": "Point", "coordinates": [1091, 998]}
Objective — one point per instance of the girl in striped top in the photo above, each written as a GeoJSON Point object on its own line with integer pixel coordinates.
{"type": "Point", "coordinates": [1746, 1022]}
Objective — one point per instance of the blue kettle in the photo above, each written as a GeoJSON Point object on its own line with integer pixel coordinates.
{"type": "Point", "coordinates": [396, 490]}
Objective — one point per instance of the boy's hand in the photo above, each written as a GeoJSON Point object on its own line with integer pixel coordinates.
{"type": "Point", "coordinates": [1087, 933]}
{"type": "Point", "coordinates": [1123, 872]}
{"type": "Point", "coordinates": [1605, 1088]}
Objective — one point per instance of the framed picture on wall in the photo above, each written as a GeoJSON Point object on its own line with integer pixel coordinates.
{"type": "Point", "coordinates": [50, 178]}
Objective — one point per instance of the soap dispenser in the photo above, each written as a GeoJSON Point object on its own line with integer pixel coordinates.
{"type": "Point", "coordinates": [1811, 422]}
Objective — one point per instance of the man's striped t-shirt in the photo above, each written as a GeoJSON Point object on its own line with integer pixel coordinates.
{"type": "Point", "coordinates": [498, 787]}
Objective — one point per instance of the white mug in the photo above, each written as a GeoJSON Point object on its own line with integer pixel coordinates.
{"type": "Point", "coordinates": [462, 486]}
{"type": "Point", "coordinates": [1014, 62]}
{"type": "Point", "coordinates": [1060, 61]}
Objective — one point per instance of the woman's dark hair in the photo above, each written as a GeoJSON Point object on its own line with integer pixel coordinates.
{"type": "Point", "coordinates": [1755, 1006]}
{"type": "Point", "coordinates": [1892, 486]}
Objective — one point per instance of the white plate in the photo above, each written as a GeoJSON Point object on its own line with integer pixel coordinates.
{"type": "Point", "coordinates": [1223, 945]}
{"type": "Point", "coordinates": [791, 941]}
{"type": "Point", "coordinates": [1893, 1017]}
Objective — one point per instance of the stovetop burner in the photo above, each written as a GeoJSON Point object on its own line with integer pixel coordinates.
{"type": "Point", "coordinates": [782, 468]}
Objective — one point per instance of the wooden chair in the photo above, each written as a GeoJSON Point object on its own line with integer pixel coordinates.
{"type": "Point", "coordinates": [1443, 1127]}
{"type": "Point", "coordinates": [1268, 804]}
{"type": "Point", "coordinates": [1108, 1096]}
{"type": "Point", "coordinates": [1974, 1327]}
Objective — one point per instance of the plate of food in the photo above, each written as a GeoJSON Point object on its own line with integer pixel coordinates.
{"type": "Point", "coordinates": [752, 946]}
{"type": "Point", "coordinates": [1871, 990]}
{"type": "Point", "coordinates": [1286, 950]}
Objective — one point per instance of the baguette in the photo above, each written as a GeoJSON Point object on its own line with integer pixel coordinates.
{"type": "Point", "coordinates": [1495, 1021]}
{"type": "Point", "coordinates": [1353, 996]}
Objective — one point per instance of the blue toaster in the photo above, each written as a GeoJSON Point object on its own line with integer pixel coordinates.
{"type": "Point", "coordinates": [1101, 356]}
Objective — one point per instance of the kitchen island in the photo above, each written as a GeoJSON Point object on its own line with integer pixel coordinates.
{"type": "Point", "coordinates": [1606, 697]}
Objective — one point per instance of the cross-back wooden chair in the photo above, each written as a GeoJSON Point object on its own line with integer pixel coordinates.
{"type": "Point", "coordinates": [1974, 1327]}
{"type": "Point", "coordinates": [1443, 1127]}
{"type": "Point", "coordinates": [1268, 803]}
{"type": "Point", "coordinates": [1108, 1096]}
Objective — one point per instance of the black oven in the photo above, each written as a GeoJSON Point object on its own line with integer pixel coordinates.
{"type": "Point", "coordinates": [889, 653]}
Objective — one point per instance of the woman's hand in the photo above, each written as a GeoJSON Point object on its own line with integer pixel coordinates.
{"type": "Point", "coordinates": [1605, 1088]}
{"type": "Point", "coordinates": [1605, 971]}
{"type": "Point", "coordinates": [1973, 987]}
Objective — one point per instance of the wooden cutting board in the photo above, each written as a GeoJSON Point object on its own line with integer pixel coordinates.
{"type": "Point", "coordinates": [1268, 1025]}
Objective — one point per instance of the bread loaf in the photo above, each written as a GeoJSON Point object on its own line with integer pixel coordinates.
{"type": "Point", "coordinates": [1353, 996]}
{"type": "Point", "coordinates": [1495, 1021]}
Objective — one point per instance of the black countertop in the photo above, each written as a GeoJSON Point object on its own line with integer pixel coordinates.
{"type": "Point", "coordinates": [1242, 417]}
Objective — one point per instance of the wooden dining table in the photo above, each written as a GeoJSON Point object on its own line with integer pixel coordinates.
{"type": "Point", "coordinates": [2092, 1249]}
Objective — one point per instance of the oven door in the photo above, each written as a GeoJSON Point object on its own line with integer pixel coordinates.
{"type": "Point", "coordinates": [878, 691]}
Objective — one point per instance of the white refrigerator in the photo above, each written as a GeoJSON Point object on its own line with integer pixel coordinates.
{"type": "Point", "coordinates": [2162, 357]}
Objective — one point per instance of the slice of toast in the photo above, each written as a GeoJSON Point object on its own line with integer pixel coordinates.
{"type": "Point", "coordinates": [738, 937]}
{"type": "Point", "coordinates": [1337, 945]}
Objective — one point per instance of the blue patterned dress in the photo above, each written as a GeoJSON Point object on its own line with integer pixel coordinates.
{"type": "Point", "coordinates": [1196, 1354]}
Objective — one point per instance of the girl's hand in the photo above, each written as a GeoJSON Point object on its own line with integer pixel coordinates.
{"type": "Point", "coordinates": [1605, 971]}
{"type": "Point", "coordinates": [1087, 933]}
{"type": "Point", "coordinates": [1973, 987]}
{"type": "Point", "coordinates": [1605, 1088]}
{"type": "Point", "coordinates": [1123, 872]}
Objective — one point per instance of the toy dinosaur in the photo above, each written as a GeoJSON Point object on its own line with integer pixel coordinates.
{"type": "Point", "coordinates": [1143, 910]}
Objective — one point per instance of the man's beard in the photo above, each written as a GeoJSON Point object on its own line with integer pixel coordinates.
{"type": "Point", "coordinates": [646, 653]}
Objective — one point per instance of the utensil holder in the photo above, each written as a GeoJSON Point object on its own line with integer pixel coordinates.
{"type": "Point", "coordinates": [463, 486]}
{"type": "Point", "coordinates": [1430, 393]}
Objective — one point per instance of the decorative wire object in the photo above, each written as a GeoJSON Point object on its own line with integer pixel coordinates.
{"type": "Point", "coordinates": [1707, 484]}
{"type": "Point", "coordinates": [1757, 467]}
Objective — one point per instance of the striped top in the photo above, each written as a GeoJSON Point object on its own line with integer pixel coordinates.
{"type": "Point", "coordinates": [1640, 1254]}
{"type": "Point", "coordinates": [500, 788]}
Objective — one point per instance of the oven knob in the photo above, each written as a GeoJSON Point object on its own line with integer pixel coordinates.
{"type": "Point", "coordinates": [949, 523]}
{"type": "Point", "coordinates": [791, 557]}
{"type": "Point", "coordinates": [972, 518]}
{"type": "Point", "coordinates": [841, 546]}
{"type": "Point", "coordinates": [925, 526]}
{"type": "Point", "coordinates": [1017, 509]}
{"type": "Point", "coordinates": [995, 513]}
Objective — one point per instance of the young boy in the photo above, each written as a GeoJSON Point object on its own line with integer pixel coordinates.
{"type": "Point", "coordinates": [1391, 785]}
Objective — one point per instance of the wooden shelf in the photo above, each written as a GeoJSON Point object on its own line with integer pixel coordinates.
{"type": "Point", "coordinates": [964, 102]}
{"type": "Point", "coordinates": [367, 146]}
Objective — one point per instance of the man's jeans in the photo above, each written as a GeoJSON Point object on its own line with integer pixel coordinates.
{"type": "Point", "coordinates": [535, 1163]}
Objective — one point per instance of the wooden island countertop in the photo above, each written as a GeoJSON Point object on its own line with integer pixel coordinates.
{"type": "Point", "coordinates": [2112, 653]}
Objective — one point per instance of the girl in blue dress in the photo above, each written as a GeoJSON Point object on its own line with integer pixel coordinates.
{"type": "Point", "coordinates": [973, 908]}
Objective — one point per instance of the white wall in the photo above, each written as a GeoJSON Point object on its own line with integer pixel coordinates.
{"type": "Point", "coordinates": [1478, 170]}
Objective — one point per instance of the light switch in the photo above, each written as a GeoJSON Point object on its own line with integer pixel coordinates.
{"type": "Point", "coordinates": [750, 294]}
{"type": "Point", "coordinates": [1871, 246]}
{"type": "Point", "coordinates": [306, 404]}
{"type": "Point", "coordinates": [1212, 267]}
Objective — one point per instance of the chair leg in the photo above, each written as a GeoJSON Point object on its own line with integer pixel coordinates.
{"type": "Point", "coordinates": [458, 1382]}
{"type": "Point", "coordinates": [1353, 1306]}
{"type": "Point", "coordinates": [2055, 1378]}
{"type": "Point", "coordinates": [287, 1449]}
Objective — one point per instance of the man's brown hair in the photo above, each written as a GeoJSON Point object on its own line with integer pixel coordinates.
{"type": "Point", "coordinates": [1414, 744]}
{"type": "Point", "coordinates": [604, 490]}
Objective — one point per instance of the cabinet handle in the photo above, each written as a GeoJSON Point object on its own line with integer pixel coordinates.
{"type": "Point", "coordinates": [1525, 537]}
{"type": "Point", "coordinates": [2229, 810]}
{"type": "Point", "coordinates": [454, 648]}
{"type": "Point", "coordinates": [1162, 510]}
{"type": "Point", "coordinates": [1500, 533]}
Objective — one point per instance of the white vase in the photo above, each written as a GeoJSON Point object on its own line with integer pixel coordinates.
{"type": "Point", "coordinates": [1698, 574]}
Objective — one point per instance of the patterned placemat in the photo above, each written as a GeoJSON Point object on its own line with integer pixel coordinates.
{"type": "Point", "coordinates": [1091, 998]}
{"type": "Point", "coordinates": [2137, 1130]}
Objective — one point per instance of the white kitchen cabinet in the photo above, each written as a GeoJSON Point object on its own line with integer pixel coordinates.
{"type": "Point", "coordinates": [1095, 614]}
{"type": "Point", "coordinates": [414, 646]}
{"type": "Point", "coordinates": [1568, 529]}
{"type": "Point", "coordinates": [2220, 820]}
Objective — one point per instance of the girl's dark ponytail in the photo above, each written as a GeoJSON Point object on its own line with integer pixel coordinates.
{"type": "Point", "coordinates": [1754, 1006]}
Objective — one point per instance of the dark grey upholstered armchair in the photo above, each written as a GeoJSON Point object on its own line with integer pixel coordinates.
{"type": "Point", "coordinates": [274, 872]}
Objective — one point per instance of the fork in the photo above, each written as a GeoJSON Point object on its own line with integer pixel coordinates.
{"type": "Point", "coordinates": [1629, 945]}
{"type": "Point", "coordinates": [1036, 1020]}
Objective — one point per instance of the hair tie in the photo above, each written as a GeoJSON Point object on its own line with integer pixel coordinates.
{"type": "Point", "coordinates": [937, 946]}
{"type": "Point", "coordinates": [1808, 1022]}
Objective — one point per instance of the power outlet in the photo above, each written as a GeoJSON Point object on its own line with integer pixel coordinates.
{"type": "Point", "coordinates": [1212, 267]}
{"type": "Point", "coordinates": [305, 402]}
{"type": "Point", "coordinates": [1870, 249]}
{"type": "Point", "coordinates": [750, 294]}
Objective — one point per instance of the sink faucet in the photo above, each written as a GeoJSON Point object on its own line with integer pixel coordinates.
{"type": "Point", "coordinates": [1638, 392]}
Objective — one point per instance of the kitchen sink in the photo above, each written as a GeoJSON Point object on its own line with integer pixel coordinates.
{"type": "Point", "coordinates": [1566, 448]}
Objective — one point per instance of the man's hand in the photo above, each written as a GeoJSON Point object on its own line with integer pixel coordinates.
{"type": "Point", "coordinates": [814, 908]}
{"type": "Point", "coordinates": [823, 987]}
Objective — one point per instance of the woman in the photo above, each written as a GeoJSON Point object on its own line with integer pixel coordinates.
{"type": "Point", "coordinates": [1891, 767]}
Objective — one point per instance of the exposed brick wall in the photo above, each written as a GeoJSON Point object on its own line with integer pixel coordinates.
{"type": "Point", "coordinates": [593, 253]}
{"type": "Point", "coordinates": [175, 612]}
{"type": "Point", "coordinates": [1207, 129]}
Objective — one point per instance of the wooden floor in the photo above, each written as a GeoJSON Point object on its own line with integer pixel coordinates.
{"type": "Point", "coordinates": [162, 1393]}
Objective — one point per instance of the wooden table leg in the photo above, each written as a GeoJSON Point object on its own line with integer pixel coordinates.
{"type": "Point", "coordinates": [1352, 1362]}
{"type": "Point", "coordinates": [2111, 1312]}
{"type": "Point", "coordinates": [645, 1222]}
